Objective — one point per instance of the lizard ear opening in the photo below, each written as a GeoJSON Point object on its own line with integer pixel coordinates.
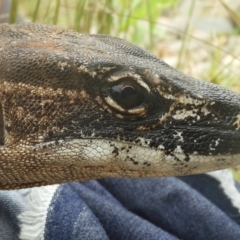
{"type": "Point", "coordinates": [1, 126]}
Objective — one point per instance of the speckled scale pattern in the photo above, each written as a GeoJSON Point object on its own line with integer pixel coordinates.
{"type": "Point", "coordinates": [59, 121]}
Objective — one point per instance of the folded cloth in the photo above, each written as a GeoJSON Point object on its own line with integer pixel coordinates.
{"type": "Point", "coordinates": [205, 206]}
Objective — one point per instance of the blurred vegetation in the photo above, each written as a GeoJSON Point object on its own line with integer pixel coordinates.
{"type": "Point", "coordinates": [132, 20]}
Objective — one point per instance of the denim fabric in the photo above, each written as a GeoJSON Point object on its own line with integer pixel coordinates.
{"type": "Point", "coordinates": [11, 204]}
{"type": "Point", "coordinates": [159, 208]}
{"type": "Point", "coordinates": [191, 207]}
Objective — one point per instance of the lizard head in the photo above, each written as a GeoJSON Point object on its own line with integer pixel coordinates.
{"type": "Point", "coordinates": [77, 107]}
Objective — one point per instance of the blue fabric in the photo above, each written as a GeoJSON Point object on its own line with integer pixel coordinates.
{"type": "Point", "coordinates": [192, 207]}
{"type": "Point", "coordinates": [11, 204]}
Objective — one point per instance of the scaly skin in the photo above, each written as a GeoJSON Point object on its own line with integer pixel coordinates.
{"type": "Point", "coordinates": [76, 107]}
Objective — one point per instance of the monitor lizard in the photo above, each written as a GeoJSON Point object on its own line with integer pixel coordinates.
{"type": "Point", "coordinates": [75, 107]}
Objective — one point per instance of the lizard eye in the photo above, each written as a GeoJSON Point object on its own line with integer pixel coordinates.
{"type": "Point", "coordinates": [127, 94]}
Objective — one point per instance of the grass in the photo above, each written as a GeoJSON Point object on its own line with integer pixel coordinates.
{"type": "Point", "coordinates": [127, 19]}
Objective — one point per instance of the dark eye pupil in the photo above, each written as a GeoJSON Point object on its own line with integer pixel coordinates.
{"type": "Point", "coordinates": [127, 96]}
{"type": "Point", "coordinates": [129, 93]}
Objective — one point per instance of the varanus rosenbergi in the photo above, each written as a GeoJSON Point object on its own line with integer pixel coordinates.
{"type": "Point", "coordinates": [76, 107]}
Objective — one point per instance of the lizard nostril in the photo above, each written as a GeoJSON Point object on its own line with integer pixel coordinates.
{"type": "Point", "coordinates": [1, 126]}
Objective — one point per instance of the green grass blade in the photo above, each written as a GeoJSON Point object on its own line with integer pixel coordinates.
{"type": "Point", "coordinates": [13, 11]}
